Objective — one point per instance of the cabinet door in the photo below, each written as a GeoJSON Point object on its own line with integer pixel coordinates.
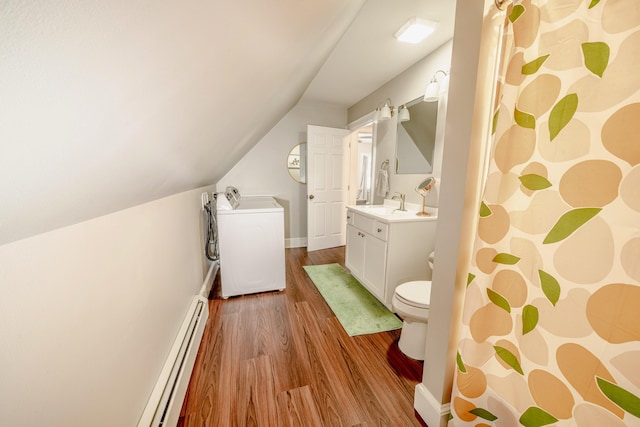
{"type": "Point", "coordinates": [354, 257]}
{"type": "Point", "coordinates": [375, 265]}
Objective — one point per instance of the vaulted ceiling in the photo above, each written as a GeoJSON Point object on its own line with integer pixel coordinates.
{"type": "Point", "coordinates": [109, 104]}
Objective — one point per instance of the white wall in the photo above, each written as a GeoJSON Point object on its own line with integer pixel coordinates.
{"type": "Point", "coordinates": [264, 169]}
{"type": "Point", "coordinates": [88, 313]}
{"type": "Point", "coordinates": [407, 86]}
{"type": "Point", "coordinates": [466, 130]}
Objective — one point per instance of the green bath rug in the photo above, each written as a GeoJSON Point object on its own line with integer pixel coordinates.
{"type": "Point", "coordinates": [358, 311]}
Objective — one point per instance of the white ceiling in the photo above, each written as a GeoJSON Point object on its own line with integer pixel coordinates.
{"type": "Point", "coordinates": [108, 105]}
{"type": "Point", "coordinates": [368, 55]}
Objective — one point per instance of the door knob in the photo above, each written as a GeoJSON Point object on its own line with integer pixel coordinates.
{"type": "Point", "coordinates": [311, 196]}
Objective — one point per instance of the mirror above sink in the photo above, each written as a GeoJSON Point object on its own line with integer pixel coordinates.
{"type": "Point", "coordinates": [416, 137]}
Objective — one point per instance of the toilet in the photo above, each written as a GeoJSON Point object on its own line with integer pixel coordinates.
{"type": "Point", "coordinates": [411, 302]}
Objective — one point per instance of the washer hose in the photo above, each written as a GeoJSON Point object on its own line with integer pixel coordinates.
{"type": "Point", "coordinates": [211, 231]}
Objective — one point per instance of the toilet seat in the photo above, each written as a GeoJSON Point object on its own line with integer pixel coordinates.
{"type": "Point", "coordinates": [415, 294]}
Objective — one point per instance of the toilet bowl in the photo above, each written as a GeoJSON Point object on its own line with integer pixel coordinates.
{"type": "Point", "coordinates": [411, 302]}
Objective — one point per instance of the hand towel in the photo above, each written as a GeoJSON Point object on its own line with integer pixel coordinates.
{"type": "Point", "coordinates": [382, 183]}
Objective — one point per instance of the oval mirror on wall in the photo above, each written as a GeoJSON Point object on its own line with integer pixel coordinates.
{"type": "Point", "coordinates": [296, 163]}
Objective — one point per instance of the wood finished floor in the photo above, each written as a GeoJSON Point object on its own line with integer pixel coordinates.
{"type": "Point", "coordinates": [283, 359]}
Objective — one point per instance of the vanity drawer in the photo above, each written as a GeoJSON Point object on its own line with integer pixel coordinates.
{"type": "Point", "coordinates": [350, 217]}
{"type": "Point", "coordinates": [364, 223]}
{"type": "Point", "coordinates": [381, 230]}
{"type": "Point", "coordinates": [371, 226]}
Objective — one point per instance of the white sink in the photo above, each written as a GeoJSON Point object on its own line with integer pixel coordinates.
{"type": "Point", "coordinates": [384, 210]}
{"type": "Point", "coordinates": [390, 213]}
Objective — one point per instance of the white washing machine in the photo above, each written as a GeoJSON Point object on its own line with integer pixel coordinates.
{"type": "Point", "coordinates": [251, 244]}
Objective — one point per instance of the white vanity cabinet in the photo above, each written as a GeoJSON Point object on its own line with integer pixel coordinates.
{"type": "Point", "coordinates": [366, 255]}
{"type": "Point", "coordinates": [384, 252]}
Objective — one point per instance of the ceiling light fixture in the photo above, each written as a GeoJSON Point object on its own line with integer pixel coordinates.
{"type": "Point", "coordinates": [415, 30]}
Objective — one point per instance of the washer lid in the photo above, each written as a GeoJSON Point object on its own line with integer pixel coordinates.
{"type": "Point", "coordinates": [258, 204]}
{"type": "Point", "coordinates": [417, 294]}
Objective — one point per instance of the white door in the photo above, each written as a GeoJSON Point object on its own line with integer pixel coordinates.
{"type": "Point", "coordinates": [327, 180]}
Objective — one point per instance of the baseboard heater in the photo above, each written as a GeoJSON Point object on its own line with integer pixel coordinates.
{"type": "Point", "coordinates": [165, 403]}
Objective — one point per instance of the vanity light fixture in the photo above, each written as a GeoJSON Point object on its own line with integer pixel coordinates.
{"type": "Point", "coordinates": [435, 88]}
{"type": "Point", "coordinates": [385, 112]}
{"type": "Point", "coordinates": [415, 30]}
{"type": "Point", "coordinates": [403, 114]}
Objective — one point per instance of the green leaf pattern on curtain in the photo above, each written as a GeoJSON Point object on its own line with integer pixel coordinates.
{"type": "Point", "coordinates": [596, 57]}
{"type": "Point", "coordinates": [460, 363]}
{"type": "Point", "coordinates": [494, 122]}
{"type": "Point", "coordinates": [534, 182]}
{"type": "Point", "coordinates": [529, 318]}
{"type": "Point", "coordinates": [593, 3]}
{"type": "Point", "coordinates": [621, 397]}
{"type": "Point", "coordinates": [570, 222]}
{"type": "Point", "coordinates": [499, 300]}
{"type": "Point", "coordinates": [550, 287]}
{"type": "Point", "coordinates": [550, 332]}
{"type": "Point", "coordinates": [485, 211]}
{"type": "Point", "coordinates": [525, 120]}
{"type": "Point", "coordinates": [509, 358]}
{"type": "Point", "coordinates": [533, 66]}
{"type": "Point", "coordinates": [470, 278]}
{"type": "Point", "coordinates": [516, 12]}
{"type": "Point", "coordinates": [562, 113]}
{"type": "Point", "coordinates": [484, 414]}
{"type": "Point", "coordinates": [536, 417]}
{"type": "Point", "coordinates": [504, 258]}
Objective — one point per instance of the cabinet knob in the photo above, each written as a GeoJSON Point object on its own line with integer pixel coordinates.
{"type": "Point", "coordinates": [348, 217]}
{"type": "Point", "coordinates": [379, 230]}
{"type": "Point", "coordinates": [311, 197]}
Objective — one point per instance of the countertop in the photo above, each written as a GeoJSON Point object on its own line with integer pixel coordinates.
{"type": "Point", "coordinates": [388, 212]}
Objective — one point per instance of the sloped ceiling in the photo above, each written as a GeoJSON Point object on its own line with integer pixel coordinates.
{"type": "Point", "coordinates": [105, 105]}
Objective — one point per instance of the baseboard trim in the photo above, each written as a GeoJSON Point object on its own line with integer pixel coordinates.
{"type": "Point", "coordinates": [434, 413]}
{"type": "Point", "coordinates": [164, 404]}
{"type": "Point", "coordinates": [295, 242]}
{"type": "Point", "coordinates": [207, 284]}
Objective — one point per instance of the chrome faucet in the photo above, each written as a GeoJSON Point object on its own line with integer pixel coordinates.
{"type": "Point", "coordinates": [401, 197]}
